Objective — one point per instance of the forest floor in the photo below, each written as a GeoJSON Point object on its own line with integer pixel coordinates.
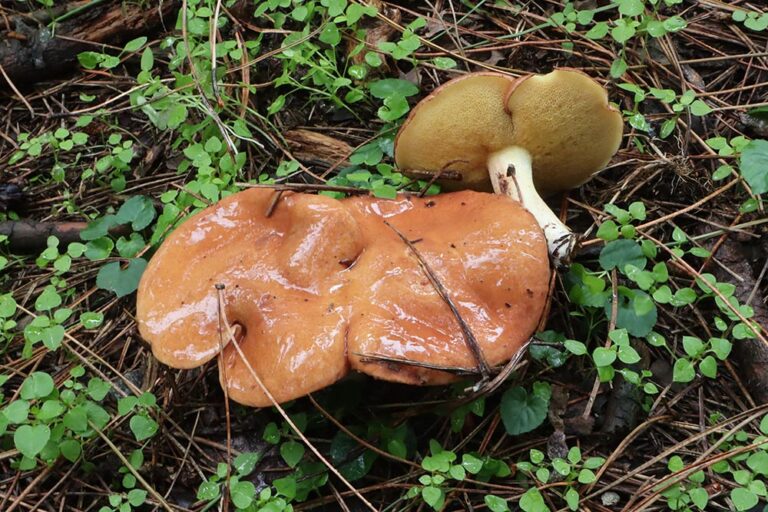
{"type": "Point", "coordinates": [646, 388]}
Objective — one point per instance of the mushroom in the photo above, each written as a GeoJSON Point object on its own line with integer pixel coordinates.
{"type": "Point", "coordinates": [485, 251]}
{"type": "Point", "coordinates": [281, 277]}
{"type": "Point", "coordinates": [322, 286]}
{"type": "Point", "coordinates": [539, 134]}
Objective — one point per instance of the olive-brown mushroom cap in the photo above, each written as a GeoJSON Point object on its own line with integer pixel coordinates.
{"type": "Point", "coordinates": [456, 128]}
{"type": "Point", "coordinates": [563, 119]}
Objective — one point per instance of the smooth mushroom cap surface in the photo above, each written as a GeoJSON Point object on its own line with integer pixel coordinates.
{"type": "Point", "coordinates": [320, 284]}
{"type": "Point", "coordinates": [297, 346]}
{"type": "Point", "coordinates": [279, 276]}
{"type": "Point", "coordinates": [457, 127]}
{"type": "Point", "coordinates": [488, 253]}
{"type": "Point", "coordinates": [564, 120]}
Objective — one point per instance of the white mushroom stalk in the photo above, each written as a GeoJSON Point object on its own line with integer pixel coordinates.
{"type": "Point", "coordinates": [511, 174]}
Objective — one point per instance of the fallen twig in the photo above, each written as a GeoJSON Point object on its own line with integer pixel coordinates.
{"type": "Point", "coordinates": [26, 236]}
{"type": "Point", "coordinates": [231, 337]}
{"type": "Point", "coordinates": [469, 337]}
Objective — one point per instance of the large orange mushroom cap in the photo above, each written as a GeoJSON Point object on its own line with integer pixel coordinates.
{"type": "Point", "coordinates": [486, 251]}
{"type": "Point", "coordinates": [280, 277]}
{"type": "Point", "coordinates": [323, 285]}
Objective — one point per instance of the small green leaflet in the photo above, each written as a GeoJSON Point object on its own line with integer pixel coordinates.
{"type": "Point", "coordinates": [292, 452]}
{"type": "Point", "coordinates": [31, 440]}
{"type": "Point", "coordinates": [138, 211]}
{"type": "Point", "coordinates": [391, 87]}
{"type": "Point", "coordinates": [522, 412]}
{"type": "Point", "coordinates": [754, 165]}
{"type": "Point", "coordinates": [121, 281]}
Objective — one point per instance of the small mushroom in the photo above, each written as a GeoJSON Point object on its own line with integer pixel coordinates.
{"type": "Point", "coordinates": [322, 286]}
{"type": "Point", "coordinates": [539, 134]}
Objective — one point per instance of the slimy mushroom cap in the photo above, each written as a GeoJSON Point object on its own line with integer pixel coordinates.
{"type": "Point", "coordinates": [323, 285]}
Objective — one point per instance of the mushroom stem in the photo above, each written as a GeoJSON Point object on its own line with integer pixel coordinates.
{"type": "Point", "coordinates": [511, 174]}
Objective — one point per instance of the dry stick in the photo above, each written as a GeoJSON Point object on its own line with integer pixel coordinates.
{"type": "Point", "coordinates": [118, 97]}
{"type": "Point", "coordinates": [393, 483]}
{"type": "Point", "coordinates": [487, 426]}
{"type": "Point", "coordinates": [434, 46]}
{"type": "Point", "coordinates": [677, 477]}
{"type": "Point", "coordinates": [33, 485]}
{"type": "Point", "coordinates": [339, 498]}
{"type": "Point", "coordinates": [380, 358]}
{"type": "Point", "coordinates": [493, 384]}
{"type": "Point", "coordinates": [716, 247]}
{"type": "Point", "coordinates": [273, 203]}
{"type": "Point", "coordinates": [9, 488]}
{"type": "Point", "coordinates": [183, 461]}
{"type": "Point", "coordinates": [749, 415]}
{"type": "Point", "coordinates": [469, 337]}
{"type": "Point", "coordinates": [39, 478]}
{"type": "Point", "coordinates": [757, 283]}
{"type": "Point", "coordinates": [357, 438]}
{"type": "Point", "coordinates": [206, 202]}
{"type": "Point", "coordinates": [56, 485]}
{"type": "Point", "coordinates": [616, 453]}
{"type": "Point", "coordinates": [299, 433]}
{"type": "Point", "coordinates": [438, 175]}
{"type": "Point", "coordinates": [490, 386]}
{"type": "Point", "coordinates": [130, 385]}
{"type": "Point", "coordinates": [445, 174]}
{"type": "Point", "coordinates": [36, 364]}
{"type": "Point", "coordinates": [675, 213]}
{"type": "Point", "coordinates": [18, 93]}
{"type": "Point", "coordinates": [276, 51]}
{"type": "Point", "coordinates": [206, 104]}
{"type": "Point", "coordinates": [306, 187]}
{"type": "Point", "coordinates": [739, 383]}
{"type": "Point", "coordinates": [693, 272]}
{"type": "Point", "coordinates": [719, 58]}
{"type": "Point", "coordinates": [90, 365]}
{"type": "Point", "coordinates": [151, 490]}
{"type": "Point", "coordinates": [740, 107]}
{"type": "Point", "coordinates": [212, 33]}
{"type": "Point", "coordinates": [219, 288]}
{"type": "Point", "coordinates": [246, 75]}
{"type": "Point", "coordinates": [701, 461]}
{"type": "Point", "coordinates": [27, 235]}
{"type": "Point", "coordinates": [735, 228]}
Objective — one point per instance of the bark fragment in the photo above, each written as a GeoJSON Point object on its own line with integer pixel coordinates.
{"type": "Point", "coordinates": [28, 236]}
{"type": "Point", "coordinates": [314, 147]}
{"type": "Point", "coordinates": [30, 53]}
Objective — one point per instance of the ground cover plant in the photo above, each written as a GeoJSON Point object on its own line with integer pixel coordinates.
{"type": "Point", "coordinates": [646, 388]}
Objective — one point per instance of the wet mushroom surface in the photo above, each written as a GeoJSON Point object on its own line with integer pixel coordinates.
{"type": "Point", "coordinates": [323, 286]}
{"type": "Point", "coordinates": [485, 250]}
